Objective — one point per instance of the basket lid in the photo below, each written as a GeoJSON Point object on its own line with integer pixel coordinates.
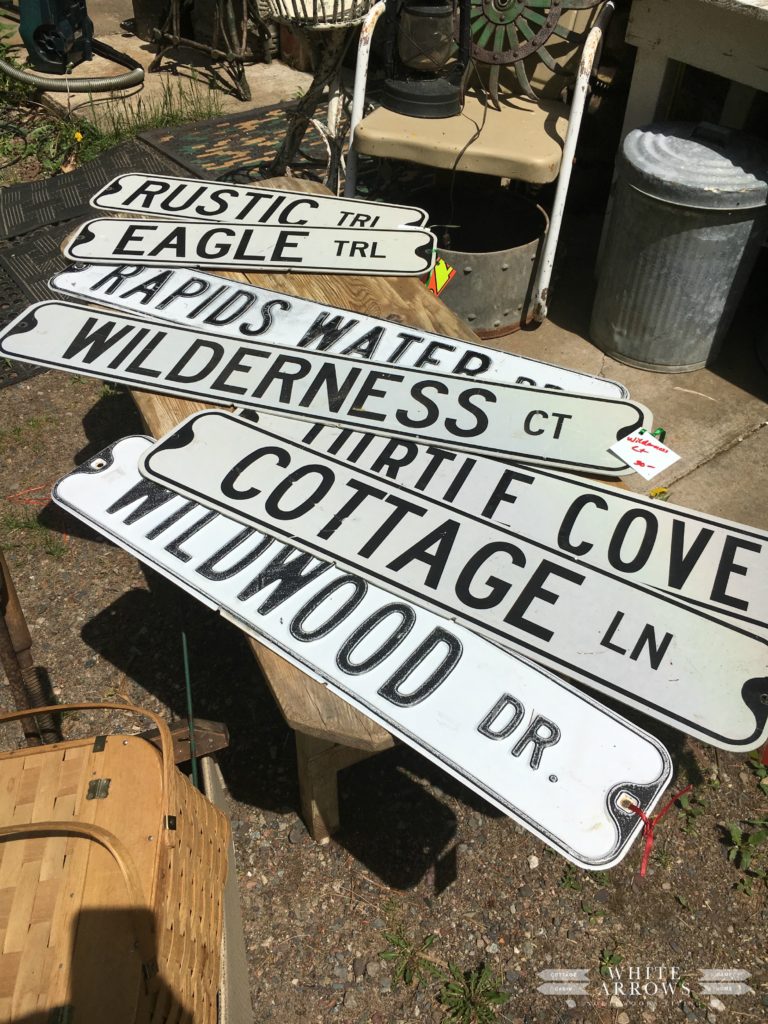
{"type": "Point", "coordinates": [700, 165]}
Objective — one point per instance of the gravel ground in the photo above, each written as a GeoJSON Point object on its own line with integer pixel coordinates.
{"type": "Point", "coordinates": [418, 855]}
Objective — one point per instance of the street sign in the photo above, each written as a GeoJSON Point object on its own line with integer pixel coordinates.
{"type": "Point", "coordinates": [536, 748]}
{"type": "Point", "coordinates": [192, 199]}
{"type": "Point", "coordinates": [163, 243]}
{"type": "Point", "coordinates": [690, 668]}
{"type": "Point", "coordinates": [571, 431]}
{"type": "Point", "coordinates": [209, 302]}
{"type": "Point", "coordinates": [709, 561]}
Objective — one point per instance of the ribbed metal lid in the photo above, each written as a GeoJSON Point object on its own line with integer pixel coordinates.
{"type": "Point", "coordinates": [703, 165]}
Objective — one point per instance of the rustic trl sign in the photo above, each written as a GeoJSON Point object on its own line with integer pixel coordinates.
{"type": "Point", "coordinates": [554, 427]}
{"type": "Point", "coordinates": [208, 302]}
{"type": "Point", "coordinates": [709, 561]}
{"type": "Point", "coordinates": [165, 243]}
{"type": "Point", "coordinates": [690, 668]}
{"type": "Point", "coordinates": [193, 199]}
{"type": "Point", "coordinates": [506, 728]}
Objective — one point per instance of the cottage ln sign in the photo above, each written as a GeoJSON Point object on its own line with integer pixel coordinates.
{"type": "Point", "coordinates": [715, 563]}
{"type": "Point", "coordinates": [194, 199]}
{"type": "Point", "coordinates": [206, 301]}
{"type": "Point", "coordinates": [682, 665]}
{"type": "Point", "coordinates": [264, 247]}
{"type": "Point", "coordinates": [573, 431]}
{"type": "Point", "coordinates": [533, 746]}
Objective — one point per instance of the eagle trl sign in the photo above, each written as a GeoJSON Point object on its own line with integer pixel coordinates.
{"type": "Point", "coordinates": [709, 561]}
{"type": "Point", "coordinates": [555, 427]}
{"type": "Point", "coordinates": [208, 302]}
{"type": "Point", "coordinates": [551, 757]}
{"type": "Point", "coordinates": [165, 243]}
{"type": "Point", "coordinates": [690, 668]}
{"type": "Point", "coordinates": [193, 199]}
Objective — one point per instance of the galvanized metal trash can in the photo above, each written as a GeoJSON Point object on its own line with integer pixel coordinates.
{"type": "Point", "coordinates": [689, 215]}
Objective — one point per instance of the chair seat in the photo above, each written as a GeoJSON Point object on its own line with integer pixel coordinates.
{"type": "Point", "coordinates": [523, 140]}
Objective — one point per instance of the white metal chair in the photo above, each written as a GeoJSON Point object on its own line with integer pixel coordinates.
{"type": "Point", "coordinates": [525, 132]}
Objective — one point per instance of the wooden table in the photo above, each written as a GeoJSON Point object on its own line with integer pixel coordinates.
{"type": "Point", "coordinates": [330, 734]}
{"type": "Point", "coordinates": [726, 37]}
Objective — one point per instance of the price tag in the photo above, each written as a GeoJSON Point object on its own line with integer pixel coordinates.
{"type": "Point", "coordinates": [644, 453]}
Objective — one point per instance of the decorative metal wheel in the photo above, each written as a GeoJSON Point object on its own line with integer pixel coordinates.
{"type": "Point", "coordinates": [508, 31]}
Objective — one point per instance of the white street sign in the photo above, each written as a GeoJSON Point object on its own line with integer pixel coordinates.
{"type": "Point", "coordinates": [193, 199]}
{"type": "Point", "coordinates": [555, 427]}
{"type": "Point", "coordinates": [709, 561]}
{"type": "Point", "coordinates": [165, 243]}
{"type": "Point", "coordinates": [211, 303]}
{"type": "Point", "coordinates": [692, 669]}
{"type": "Point", "coordinates": [547, 755]}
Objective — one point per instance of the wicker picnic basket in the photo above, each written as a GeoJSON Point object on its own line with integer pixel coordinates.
{"type": "Point", "coordinates": [112, 870]}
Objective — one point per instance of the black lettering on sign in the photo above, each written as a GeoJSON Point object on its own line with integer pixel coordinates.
{"type": "Point", "coordinates": [149, 495]}
{"type": "Point", "coordinates": [216, 354]}
{"type": "Point", "coordinates": [228, 483]}
{"type": "Point", "coordinates": [362, 491]}
{"type": "Point", "coordinates": [343, 611]}
{"type": "Point", "coordinates": [137, 364]}
{"type": "Point", "coordinates": [175, 548]}
{"type": "Point", "coordinates": [216, 197]}
{"type": "Point", "coordinates": [97, 339]}
{"type": "Point", "coordinates": [236, 365]}
{"type": "Point", "coordinates": [328, 331]}
{"type": "Point", "coordinates": [336, 393]}
{"type": "Point", "coordinates": [406, 616]}
{"type": "Point", "coordinates": [133, 234]}
{"type": "Point", "coordinates": [207, 569]}
{"type": "Point", "coordinates": [327, 478]}
{"type": "Point", "coordinates": [188, 290]}
{"type": "Point", "coordinates": [175, 242]}
{"type": "Point", "coordinates": [283, 217]}
{"type": "Point", "coordinates": [288, 570]}
{"type": "Point", "coordinates": [493, 726]}
{"type": "Point", "coordinates": [171, 520]}
{"type": "Point", "coordinates": [267, 319]}
{"type": "Point", "coordinates": [365, 347]}
{"type": "Point", "coordinates": [406, 342]}
{"type": "Point", "coordinates": [501, 493]}
{"type": "Point", "coordinates": [480, 418]}
{"type": "Point", "coordinates": [284, 242]}
{"type": "Point", "coordinates": [656, 649]}
{"type": "Point", "coordinates": [681, 562]}
{"type": "Point", "coordinates": [392, 689]}
{"type": "Point", "coordinates": [209, 249]}
{"type": "Point", "coordinates": [497, 589]}
{"type": "Point", "coordinates": [368, 390]}
{"type": "Point", "coordinates": [287, 370]}
{"type": "Point", "coordinates": [146, 192]}
{"type": "Point", "coordinates": [217, 317]}
{"type": "Point", "coordinates": [116, 277]}
{"type": "Point", "coordinates": [441, 540]}
{"type": "Point", "coordinates": [148, 289]}
{"type": "Point", "coordinates": [539, 742]}
{"type": "Point", "coordinates": [403, 508]}
{"type": "Point", "coordinates": [432, 412]}
{"type": "Point", "coordinates": [472, 364]}
{"type": "Point", "coordinates": [729, 567]}
{"type": "Point", "coordinates": [534, 590]}
{"type": "Point", "coordinates": [645, 547]}
{"type": "Point", "coordinates": [186, 198]}
{"type": "Point", "coordinates": [391, 463]}
{"type": "Point", "coordinates": [569, 519]}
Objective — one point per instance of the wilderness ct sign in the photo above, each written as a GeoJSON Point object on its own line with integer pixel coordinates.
{"type": "Point", "coordinates": [506, 728]}
{"type": "Point", "coordinates": [572, 431]}
{"type": "Point", "coordinates": [193, 199]}
{"type": "Point", "coordinates": [689, 668]}
{"type": "Point", "coordinates": [263, 247]}
{"type": "Point", "coordinates": [712, 562]}
{"type": "Point", "coordinates": [207, 302]}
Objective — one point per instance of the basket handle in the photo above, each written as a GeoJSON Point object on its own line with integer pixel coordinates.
{"type": "Point", "coordinates": [122, 857]}
{"type": "Point", "coordinates": [166, 743]}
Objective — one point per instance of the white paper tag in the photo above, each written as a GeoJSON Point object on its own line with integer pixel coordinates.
{"type": "Point", "coordinates": [644, 453]}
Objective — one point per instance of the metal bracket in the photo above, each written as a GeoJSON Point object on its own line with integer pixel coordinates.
{"type": "Point", "coordinates": [98, 789]}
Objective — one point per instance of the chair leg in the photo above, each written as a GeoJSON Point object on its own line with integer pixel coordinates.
{"type": "Point", "coordinates": [540, 298]}
{"type": "Point", "coordinates": [358, 95]}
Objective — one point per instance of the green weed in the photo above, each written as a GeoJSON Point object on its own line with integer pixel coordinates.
{"type": "Point", "coordinates": [472, 997]}
{"type": "Point", "coordinates": [609, 958]}
{"type": "Point", "coordinates": [410, 962]}
{"type": "Point", "coordinates": [691, 808]}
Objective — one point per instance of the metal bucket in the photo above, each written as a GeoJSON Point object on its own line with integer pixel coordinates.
{"type": "Point", "coordinates": [491, 238]}
{"type": "Point", "coordinates": [688, 219]}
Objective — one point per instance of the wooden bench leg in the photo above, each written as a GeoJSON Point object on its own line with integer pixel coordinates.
{"type": "Point", "coordinates": [319, 762]}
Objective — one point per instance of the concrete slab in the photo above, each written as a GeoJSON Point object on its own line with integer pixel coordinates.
{"type": "Point", "coordinates": [734, 484]}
